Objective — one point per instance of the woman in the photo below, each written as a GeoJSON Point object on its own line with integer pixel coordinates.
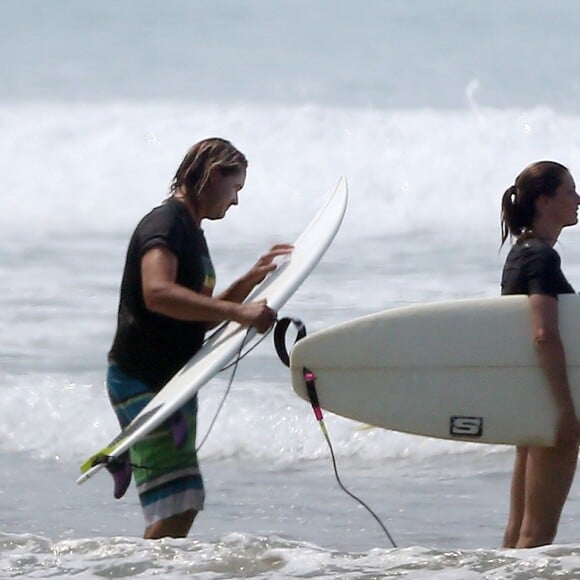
{"type": "Point", "coordinates": [165, 308]}
{"type": "Point", "coordinates": [534, 210]}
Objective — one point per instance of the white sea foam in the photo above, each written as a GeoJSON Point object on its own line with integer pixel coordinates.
{"type": "Point", "coordinates": [247, 556]}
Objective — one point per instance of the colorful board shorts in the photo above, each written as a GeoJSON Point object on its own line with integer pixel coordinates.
{"type": "Point", "coordinates": [168, 479]}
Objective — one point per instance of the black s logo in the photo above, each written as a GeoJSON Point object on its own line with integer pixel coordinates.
{"type": "Point", "coordinates": [466, 426]}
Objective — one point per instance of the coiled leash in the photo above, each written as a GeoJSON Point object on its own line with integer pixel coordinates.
{"type": "Point", "coordinates": [310, 382]}
{"type": "Point", "coordinates": [280, 337]}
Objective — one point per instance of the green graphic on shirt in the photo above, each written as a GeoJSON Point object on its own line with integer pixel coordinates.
{"type": "Point", "coordinates": [210, 278]}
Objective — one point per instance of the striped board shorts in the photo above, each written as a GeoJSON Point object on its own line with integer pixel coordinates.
{"type": "Point", "coordinates": [168, 479]}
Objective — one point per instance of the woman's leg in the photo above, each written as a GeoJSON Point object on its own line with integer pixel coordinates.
{"type": "Point", "coordinates": [517, 499]}
{"type": "Point", "coordinates": [549, 475]}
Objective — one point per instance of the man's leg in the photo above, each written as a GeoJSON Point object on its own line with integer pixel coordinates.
{"type": "Point", "coordinates": [176, 526]}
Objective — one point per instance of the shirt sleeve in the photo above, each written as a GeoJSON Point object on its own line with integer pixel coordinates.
{"type": "Point", "coordinates": [543, 270]}
{"type": "Point", "coordinates": [160, 229]}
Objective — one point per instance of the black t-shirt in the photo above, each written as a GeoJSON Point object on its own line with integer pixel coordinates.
{"type": "Point", "coordinates": [149, 346]}
{"type": "Point", "coordinates": [533, 267]}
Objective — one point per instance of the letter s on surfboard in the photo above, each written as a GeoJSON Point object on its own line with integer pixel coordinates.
{"type": "Point", "coordinates": [465, 426]}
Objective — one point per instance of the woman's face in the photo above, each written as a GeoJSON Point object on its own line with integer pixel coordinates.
{"type": "Point", "coordinates": [564, 204]}
{"type": "Point", "coordinates": [221, 193]}
{"type": "Point", "coordinates": [561, 209]}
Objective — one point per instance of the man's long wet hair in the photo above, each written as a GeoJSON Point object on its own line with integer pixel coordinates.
{"type": "Point", "coordinates": [193, 173]}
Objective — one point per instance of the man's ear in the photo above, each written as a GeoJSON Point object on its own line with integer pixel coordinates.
{"type": "Point", "coordinates": [214, 174]}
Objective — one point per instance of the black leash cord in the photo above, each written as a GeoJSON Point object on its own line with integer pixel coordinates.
{"type": "Point", "coordinates": [234, 364]}
{"type": "Point", "coordinates": [349, 493]}
{"type": "Point", "coordinates": [310, 382]}
{"type": "Point", "coordinates": [239, 356]}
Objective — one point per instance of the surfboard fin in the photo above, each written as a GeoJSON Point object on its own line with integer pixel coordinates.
{"type": "Point", "coordinates": [178, 427]}
{"type": "Point", "coordinates": [120, 470]}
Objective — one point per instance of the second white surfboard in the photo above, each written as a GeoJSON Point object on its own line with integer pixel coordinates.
{"type": "Point", "coordinates": [464, 370]}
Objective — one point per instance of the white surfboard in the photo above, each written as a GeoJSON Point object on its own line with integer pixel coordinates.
{"type": "Point", "coordinates": [224, 345]}
{"type": "Point", "coordinates": [461, 370]}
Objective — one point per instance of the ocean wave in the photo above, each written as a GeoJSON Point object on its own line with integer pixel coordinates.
{"type": "Point", "coordinates": [93, 168]}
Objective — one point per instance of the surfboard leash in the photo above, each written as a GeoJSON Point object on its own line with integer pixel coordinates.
{"type": "Point", "coordinates": [239, 356]}
{"type": "Point", "coordinates": [310, 382]}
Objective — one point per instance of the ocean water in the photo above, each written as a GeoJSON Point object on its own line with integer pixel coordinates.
{"type": "Point", "coordinates": [429, 109]}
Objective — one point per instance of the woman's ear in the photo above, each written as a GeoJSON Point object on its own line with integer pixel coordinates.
{"type": "Point", "coordinates": [541, 202]}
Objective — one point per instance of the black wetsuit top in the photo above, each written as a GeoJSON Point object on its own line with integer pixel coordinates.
{"type": "Point", "coordinates": [533, 267]}
{"type": "Point", "coordinates": [149, 346]}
